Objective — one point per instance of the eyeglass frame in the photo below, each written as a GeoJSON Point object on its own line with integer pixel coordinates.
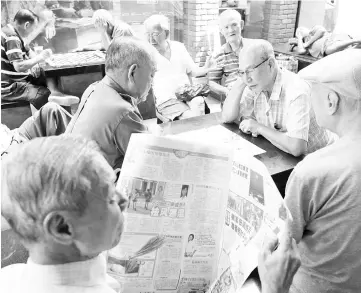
{"type": "Point", "coordinates": [154, 35]}
{"type": "Point", "coordinates": [250, 70]}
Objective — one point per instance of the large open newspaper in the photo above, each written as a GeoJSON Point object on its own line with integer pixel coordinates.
{"type": "Point", "coordinates": [196, 219]}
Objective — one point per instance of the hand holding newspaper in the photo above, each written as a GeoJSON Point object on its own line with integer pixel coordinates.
{"type": "Point", "coordinates": [197, 216]}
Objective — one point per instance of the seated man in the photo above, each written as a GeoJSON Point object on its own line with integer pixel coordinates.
{"type": "Point", "coordinates": [231, 26]}
{"type": "Point", "coordinates": [323, 191]}
{"type": "Point", "coordinates": [108, 111]}
{"type": "Point", "coordinates": [58, 195]}
{"type": "Point", "coordinates": [21, 77]}
{"type": "Point", "coordinates": [318, 42]}
{"type": "Point", "coordinates": [109, 29]}
{"type": "Point", "coordinates": [50, 120]}
{"type": "Point", "coordinates": [175, 68]}
{"type": "Point", "coordinates": [274, 103]}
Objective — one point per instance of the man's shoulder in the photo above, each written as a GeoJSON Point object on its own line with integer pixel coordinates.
{"type": "Point", "coordinates": [10, 275]}
{"type": "Point", "coordinates": [8, 31]}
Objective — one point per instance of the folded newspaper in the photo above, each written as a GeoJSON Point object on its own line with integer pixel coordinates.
{"type": "Point", "coordinates": [197, 216]}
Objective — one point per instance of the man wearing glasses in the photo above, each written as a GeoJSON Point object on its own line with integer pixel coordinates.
{"type": "Point", "coordinates": [273, 102]}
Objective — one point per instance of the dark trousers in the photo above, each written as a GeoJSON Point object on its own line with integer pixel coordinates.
{"type": "Point", "coordinates": [32, 90]}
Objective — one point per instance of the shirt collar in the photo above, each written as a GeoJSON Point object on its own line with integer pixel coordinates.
{"type": "Point", "coordinates": [87, 273]}
{"type": "Point", "coordinates": [116, 86]}
{"type": "Point", "coordinates": [228, 48]}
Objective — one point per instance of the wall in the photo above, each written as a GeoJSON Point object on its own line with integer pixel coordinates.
{"type": "Point", "coordinates": [279, 20]}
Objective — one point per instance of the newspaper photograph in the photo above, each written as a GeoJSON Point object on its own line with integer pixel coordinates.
{"type": "Point", "coordinates": [174, 222]}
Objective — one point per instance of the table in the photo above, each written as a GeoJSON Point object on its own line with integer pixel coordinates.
{"type": "Point", "coordinates": [278, 163]}
{"type": "Point", "coordinates": [75, 63]}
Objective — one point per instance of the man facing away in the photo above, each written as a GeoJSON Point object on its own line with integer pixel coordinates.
{"type": "Point", "coordinates": [273, 102]}
{"type": "Point", "coordinates": [109, 29]}
{"type": "Point", "coordinates": [108, 111]}
{"type": "Point", "coordinates": [58, 195]}
{"type": "Point", "coordinates": [323, 192]}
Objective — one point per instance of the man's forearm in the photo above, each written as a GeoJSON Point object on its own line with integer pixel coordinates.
{"type": "Point", "coordinates": [22, 66]}
{"type": "Point", "coordinates": [293, 146]}
{"type": "Point", "coordinates": [217, 88]}
{"type": "Point", "coordinates": [231, 106]}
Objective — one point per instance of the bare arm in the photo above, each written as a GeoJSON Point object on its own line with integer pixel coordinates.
{"type": "Point", "coordinates": [318, 35]}
{"type": "Point", "coordinates": [231, 107]}
{"type": "Point", "coordinates": [291, 145]}
{"type": "Point", "coordinates": [24, 65]}
{"type": "Point", "coordinates": [339, 46]}
{"type": "Point", "coordinates": [217, 88]}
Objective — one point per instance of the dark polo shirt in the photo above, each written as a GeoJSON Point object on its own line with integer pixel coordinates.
{"type": "Point", "coordinates": [108, 116]}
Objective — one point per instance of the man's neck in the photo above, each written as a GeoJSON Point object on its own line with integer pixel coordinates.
{"type": "Point", "coordinates": [269, 88]}
{"type": "Point", "coordinates": [349, 127]}
{"type": "Point", "coordinates": [47, 255]}
{"type": "Point", "coordinates": [236, 44]}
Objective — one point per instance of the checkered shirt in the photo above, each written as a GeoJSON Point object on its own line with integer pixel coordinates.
{"type": "Point", "coordinates": [288, 110]}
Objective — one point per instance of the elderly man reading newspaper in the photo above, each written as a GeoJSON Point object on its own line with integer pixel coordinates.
{"type": "Point", "coordinates": [58, 195]}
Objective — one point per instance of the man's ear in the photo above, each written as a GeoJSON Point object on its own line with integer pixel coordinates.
{"type": "Point", "coordinates": [242, 25]}
{"type": "Point", "coordinates": [333, 102]}
{"type": "Point", "coordinates": [131, 72]}
{"type": "Point", "coordinates": [271, 63]}
{"type": "Point", "coordinates": [26, 25]}
{"type": "Point", "coordinates": [57, 225]}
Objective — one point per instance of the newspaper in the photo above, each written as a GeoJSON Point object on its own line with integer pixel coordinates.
{"type": "Point", "coordinates": [218, 133]}
{"type": "Point", "coordinates": [196, 218]}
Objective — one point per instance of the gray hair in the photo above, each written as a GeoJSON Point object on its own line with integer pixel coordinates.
{"type": "Point", "coordinates": [48, 174]}
{"type": "Point", "coordinates": [102, 15]}
{"type": "Point", "coordinates": [230, 13]}
{"type": "Point", "coordinates": [262, 48]}
{"type": "Point", "coordinates": [124, 52]}
{"type": "Point", "coordinates": [158, 20]}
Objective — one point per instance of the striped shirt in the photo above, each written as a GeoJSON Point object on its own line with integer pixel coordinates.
{"type": "Point", "coordinates": [12, 49]}
{"type": "Point", "coordinates": [288, 110]}
{"type": "Point", "coordinates": [228, 74]}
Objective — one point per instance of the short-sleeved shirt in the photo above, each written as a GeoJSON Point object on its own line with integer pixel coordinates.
{"type": "Point", "coordinates": [172, 73]}
{"type": "Point", "coordinates": [12, 49]}
{"type": "Point", "coordinates": [323, 195]}
{"type": "Point", "coordinates": [108, 116]}
{"type": "Point", "coordinates": [288, 110]}
{"type": "Point", "coordinates": [318, 48]}
{"type": "Point", "coordinates": [228, 74]}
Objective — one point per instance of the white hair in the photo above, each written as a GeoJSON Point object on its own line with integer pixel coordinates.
{"type": "Point", "coordinates": [158, 20]}
{"type": "Point", "coordinates": [102, 15]}
{"type": "Point", "coordinates": [126, 51]}
{"type": "Point", "coordinates": [230, 13]}
{"type": "Point", "coordinates": [260, 48]}
{"type": "Point", "coordinates": [49, 174]}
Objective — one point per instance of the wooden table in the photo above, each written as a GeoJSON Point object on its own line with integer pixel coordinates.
{"type": "Point", "coordinates": [279, 163]}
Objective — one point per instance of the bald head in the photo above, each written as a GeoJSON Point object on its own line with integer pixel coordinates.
{"type": "Point", "coordinates": [230, 13]}
{"type": "Point", "coordinates": [258, 51]}
{"type": "Point", "coordinates": [258, 66]}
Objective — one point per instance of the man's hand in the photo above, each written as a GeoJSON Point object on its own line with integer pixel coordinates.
{"type": "Point", "coordinates": [46, 54]}
{"type": "Point", "coordinates": [250, 126]}
{"type": "Point", "coordinates": [210, 63]}
{"type": "Point", "coordinates": [220, 59]}
{"type": "Point", "coordinates": [277, 266]}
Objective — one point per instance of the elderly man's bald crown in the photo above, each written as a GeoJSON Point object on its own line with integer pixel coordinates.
{"type": "Point", "coordinates": [340, 72]}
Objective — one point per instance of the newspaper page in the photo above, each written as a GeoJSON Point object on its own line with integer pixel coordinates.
{"type": "Point", "coordinates": [174, 222]}
{"type": "Point", "coordinates": [255, 209]}
{"type": "Point", "coordinates": [220, 134]}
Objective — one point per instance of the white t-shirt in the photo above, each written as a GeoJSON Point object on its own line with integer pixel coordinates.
{"type": "Point", "coordinates": [172, 73]}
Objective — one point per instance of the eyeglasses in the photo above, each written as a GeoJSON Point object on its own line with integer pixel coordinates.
{"type": "Point", "coordinates": [251, 70]}
{"type": "Point", "coordinates": [154, 35]}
